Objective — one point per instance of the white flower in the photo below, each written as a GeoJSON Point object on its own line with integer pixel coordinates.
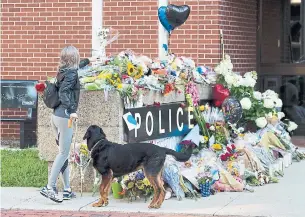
{"type": "Point", "coordinates": [278, 103]}
{"type": "Point", "coordinates": [269, 115]}
{"type": "Point", "coordinates": [230, 66]}
{"type": "Point", "coordinates": [238, 81]}
{"type": "Point", "coordinates": [270, 94]}
{"type": "Point", "coordinates": [280, 115]}
{"type": "Point", "coordinates": [241, 129]}
{"type": "Point", "coordinates": [268, 103]}
{"type": "Point", "coordinates": [249, 82]}
{"type": "Point", "coordinates": [245, 103]}
{"type": "Point", "coordinates": [212, 128]}
{"type": "Point", "coordinates": [229, 79]}
{"type": "Point", "coordinates": [257, 95]}
{"type": "Point", "coordinates": [261, 122]}
{"type": "Point", "coordinates": [292, 126]}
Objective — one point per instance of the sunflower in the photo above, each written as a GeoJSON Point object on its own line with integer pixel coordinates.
{"type": "Point", "coordinates": [130, 69]}
{"type": "Point", "coordinates": [140, 72]}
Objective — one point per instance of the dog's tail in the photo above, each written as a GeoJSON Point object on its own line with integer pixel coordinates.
{"type": "Point", "coordinates": [180, 156]}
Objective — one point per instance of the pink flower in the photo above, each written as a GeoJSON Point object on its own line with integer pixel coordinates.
{"type": "Point", "coordinates": [191, 89]}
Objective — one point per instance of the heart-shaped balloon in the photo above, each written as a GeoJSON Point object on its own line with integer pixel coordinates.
{"type": "Point", "coordinates": [131, 120]}
{"type": "Point", "coordinates": [163, 19]}
{"type": "Point", "coordinates": [177, 15]}
{"type": "Point", "coordinates": [220, 93]}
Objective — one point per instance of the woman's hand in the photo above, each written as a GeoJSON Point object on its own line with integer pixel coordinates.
{"type": "Point", "coordinates": [73, 116]}
{"type": "Point", "coordinates": [93, 59]}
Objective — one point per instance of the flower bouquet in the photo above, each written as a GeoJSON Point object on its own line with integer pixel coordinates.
{"type": "Point", "coordinates": [136, 185]}
{"type": "Point", "coordinates": [192, 99]}
{"type": "Point", "coordinates": [204, 180]}
{"type": "Point", "coordinates": [231, 153]}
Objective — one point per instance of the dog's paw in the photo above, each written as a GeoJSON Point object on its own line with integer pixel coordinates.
{"type": "Point", "coordinates": [98, 204]}
{"type": "Point", "coordinates": [154, 206]}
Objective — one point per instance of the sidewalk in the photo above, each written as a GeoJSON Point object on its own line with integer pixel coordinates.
{"type": "Point", "coordinates": [285, 199]}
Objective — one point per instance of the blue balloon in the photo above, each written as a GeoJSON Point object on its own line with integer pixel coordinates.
{"type": "Point", "coordinates": [163, 19]}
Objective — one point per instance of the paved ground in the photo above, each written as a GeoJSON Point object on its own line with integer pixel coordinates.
{"type": "Point", "coordinates": [34, 213]}
{"type": "Point", "coordinates": [285, 199]}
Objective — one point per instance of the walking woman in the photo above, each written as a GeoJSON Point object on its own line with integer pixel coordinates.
{"type": "Point", "coordinates": [68, 90]}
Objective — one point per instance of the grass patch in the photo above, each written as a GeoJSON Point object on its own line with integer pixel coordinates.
{"type": "Point", "coordinates": [23, 168]}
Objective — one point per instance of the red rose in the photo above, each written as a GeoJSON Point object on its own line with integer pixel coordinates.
{"type": "Point", "coordinates": [229, 149]}
{"type": "Point", "coordinates": [233, 146]}
{"type": "Point", "coordinates": [40, 87]}
{"type": "Point", "coordinates": [207, 125]}
{"type": "Point", "coordinates": [157, 104]}
{"type": "Point", "coordinates": [223, 157]}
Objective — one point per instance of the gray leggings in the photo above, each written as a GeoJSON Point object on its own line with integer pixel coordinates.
{"type": "Point", "coordinates": [63, 136]}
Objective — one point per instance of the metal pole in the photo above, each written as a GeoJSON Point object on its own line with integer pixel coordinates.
{"type": "Point", "coordinates": [162, 35]}
{"type": "Point", "coordinates": [97, 22]}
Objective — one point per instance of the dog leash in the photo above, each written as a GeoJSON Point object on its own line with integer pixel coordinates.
{"type": "Point", "coordinates": [82, 166]}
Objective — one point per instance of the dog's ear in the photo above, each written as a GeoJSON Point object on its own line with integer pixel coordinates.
{"type": "Point", "coordinates": [102, 132]}
{"type": "Point", "coordinates": [87, 135]}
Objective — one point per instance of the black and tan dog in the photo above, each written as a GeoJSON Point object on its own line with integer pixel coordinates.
{"type": "Point", "coordinates": [114, 160]}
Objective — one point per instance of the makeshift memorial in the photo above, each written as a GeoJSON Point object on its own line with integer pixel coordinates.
{"type": "Point", "coordinates": [226, 157]}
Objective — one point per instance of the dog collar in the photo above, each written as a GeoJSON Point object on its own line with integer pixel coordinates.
{"type": "Point", "coordinates": [95, 145]}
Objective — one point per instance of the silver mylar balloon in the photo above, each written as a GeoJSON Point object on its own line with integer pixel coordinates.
{"type": "Point", "coordinates": [232, 110]}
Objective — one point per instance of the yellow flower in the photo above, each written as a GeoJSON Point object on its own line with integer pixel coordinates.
{"type": "Point", "coordinates": [84, 149]}
{"type": "Point", "coordinates": [146, 182]}
{"type": "Point", "coordinates": [140, 73]}
{"type": "Point", "coordinates": [241, 135]}
{"type": "Point", "coordinates": [217, 147]}
{"type": "Point", "coordinates": [174, 66]}
{"type": "Point", "coordinates": [130, 69]}
{"type": "Point", "coordinates": [120, 86]}
{"type": "Point", "coordinates": [140, 184]}
{"type": "Point", "coordinates": [206, 138]}
{"type": "Point", "coordinates": [201, 108]}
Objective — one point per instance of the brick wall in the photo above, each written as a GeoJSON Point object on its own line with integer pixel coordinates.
{"type": "Point", "coordinates": [137, 23]}
{"type": "Point", "coordinates": [239, 24]}
{"type": "Point", "coordinates": [32, 34]}
{"type": "Point", "coordinates": [11, 130]}
{"type": "Point", "coordinates": [34, 31]}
